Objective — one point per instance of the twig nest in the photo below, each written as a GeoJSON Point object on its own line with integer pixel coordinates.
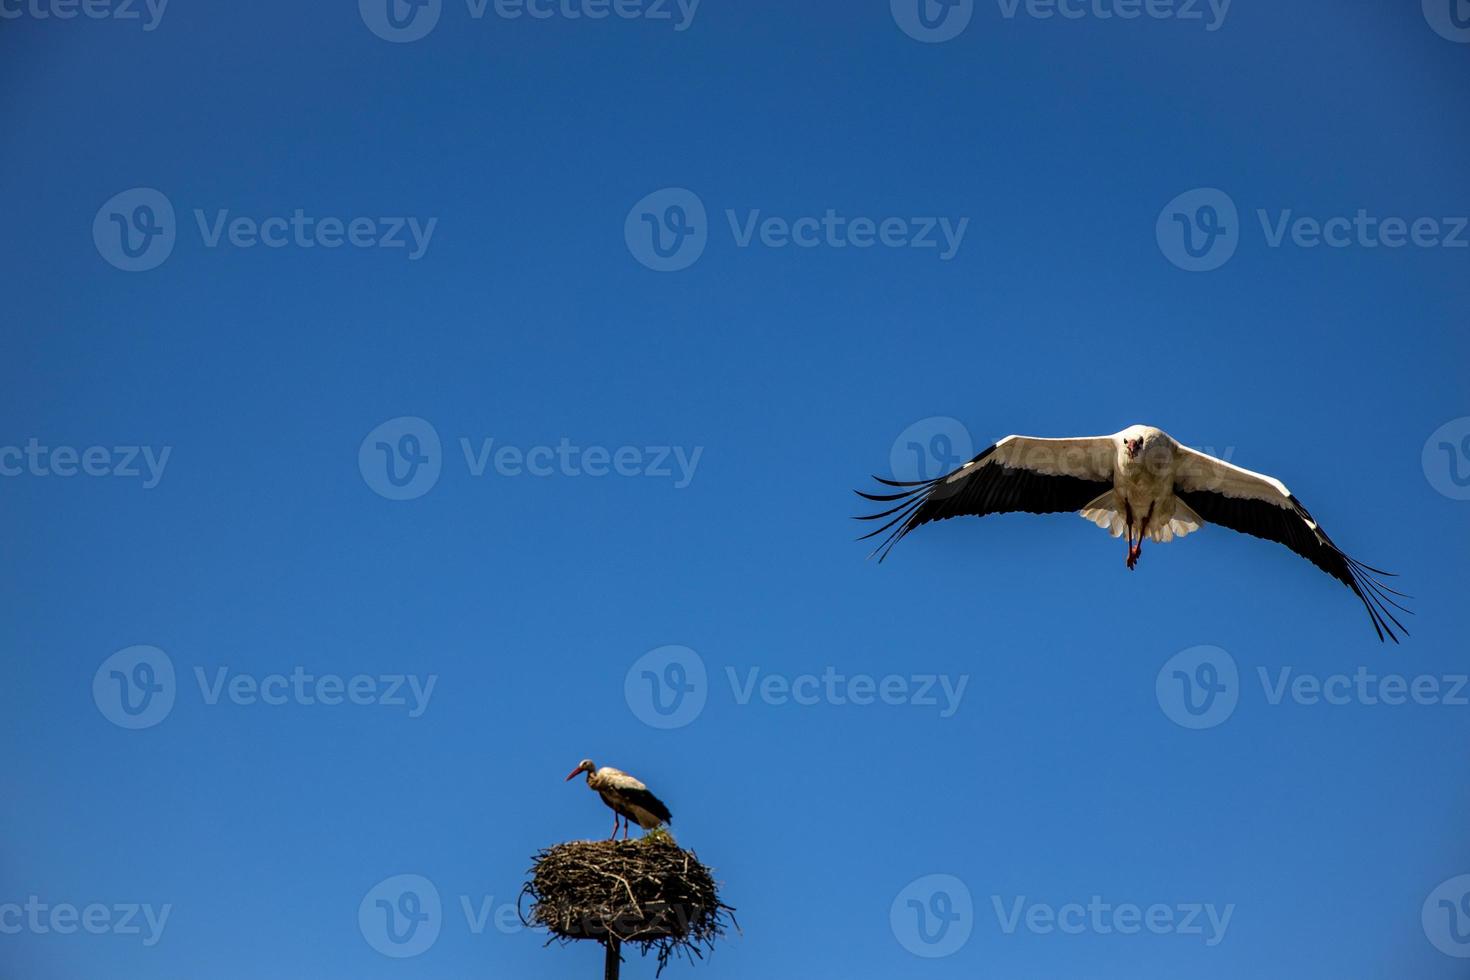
{"type": "Point", "coordinates": [650, 892]}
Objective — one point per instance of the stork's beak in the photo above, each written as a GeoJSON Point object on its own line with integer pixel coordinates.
{"type": "Point", "coordinates": [575, 772]}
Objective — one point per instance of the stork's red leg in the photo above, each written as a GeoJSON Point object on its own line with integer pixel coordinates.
{"type": "Point", "coordinates": [625, 828]}
{"type": "Point", "coordinates": [1128, 523]}
{"type": "Point", "coordinates": [615, 826]}
{"type": "Point", "coordinates": [1142, 528]}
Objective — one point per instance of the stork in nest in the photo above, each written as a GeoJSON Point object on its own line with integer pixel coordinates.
{"type": "Point", "coordinates": [625, 795]}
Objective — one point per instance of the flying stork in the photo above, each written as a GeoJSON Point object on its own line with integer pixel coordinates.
{"type": "Point", "coordinates": [628, 798]}
{"type": "Point", "coordinates": [1139, 482]}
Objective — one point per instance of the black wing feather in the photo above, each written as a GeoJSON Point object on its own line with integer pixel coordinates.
{"type": "Point", "coordinates": [1296, 529]}
{"type": "Point", "coordinates": [988, 489]}
{"type": "Point", "coordinates": [643, 798]}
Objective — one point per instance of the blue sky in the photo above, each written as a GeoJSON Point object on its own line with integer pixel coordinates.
{"type": "Point", "coordinates": [196, 430]}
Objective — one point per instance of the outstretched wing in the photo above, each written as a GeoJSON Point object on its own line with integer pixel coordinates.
{"type": "Point", "coordinates": [1019, 473]}
{"type": "Point", "coordinates": [1252, 503]}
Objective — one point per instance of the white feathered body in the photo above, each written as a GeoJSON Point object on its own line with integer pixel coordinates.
{"type": "Point", "coordinates": [627, 795]}
{"type": "Point", "coordinates": [1144, 483]}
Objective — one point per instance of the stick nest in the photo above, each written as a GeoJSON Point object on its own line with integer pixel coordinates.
{"type": "Point", "coordinates": [649, 892]}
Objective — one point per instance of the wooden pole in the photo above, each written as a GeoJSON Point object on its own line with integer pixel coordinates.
{"type": "Point", "coordinates": [614, 959]}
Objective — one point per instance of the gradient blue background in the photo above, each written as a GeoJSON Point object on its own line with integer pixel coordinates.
{"type": "Point", "coordinates": [528, 321]}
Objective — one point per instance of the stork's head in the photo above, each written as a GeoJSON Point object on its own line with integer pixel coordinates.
{"type": "Point", "coordinates": [584, 766]}
{"type": "Point", "coordinates": [1145, 448]}
{"type": "Point", "coordinates": [1136, 439]}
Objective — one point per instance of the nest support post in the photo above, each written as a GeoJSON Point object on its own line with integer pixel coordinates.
{"type": "Point", "coordinates": [613, 960]}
